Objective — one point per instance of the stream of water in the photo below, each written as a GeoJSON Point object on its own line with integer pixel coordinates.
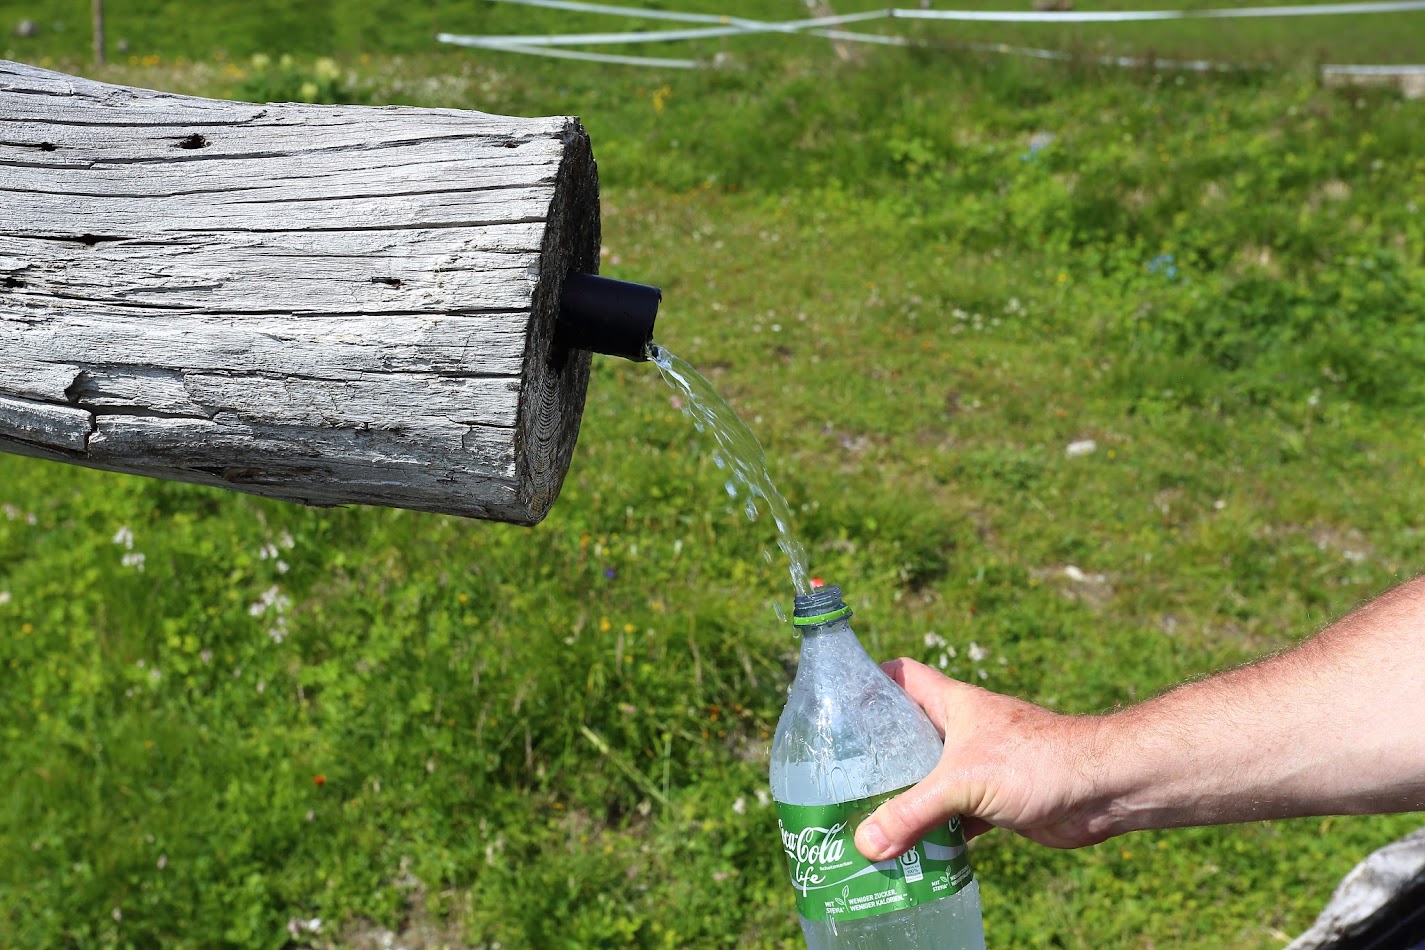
{"type": "Point", "coordinates": [739, 454]}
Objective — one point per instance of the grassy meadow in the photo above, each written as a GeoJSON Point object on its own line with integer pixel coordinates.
{"type": "Point", "coordinates": [919, 275]}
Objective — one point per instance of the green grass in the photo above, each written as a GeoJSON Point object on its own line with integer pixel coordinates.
{"type": "Point", "coordinates": [556, 736]}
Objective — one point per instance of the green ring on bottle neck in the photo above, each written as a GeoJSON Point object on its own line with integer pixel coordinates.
{"type": "Point", "coordinates": [821, 618]}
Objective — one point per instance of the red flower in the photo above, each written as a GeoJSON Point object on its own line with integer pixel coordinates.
{"type": "Point", "coordinates": [319, 780]}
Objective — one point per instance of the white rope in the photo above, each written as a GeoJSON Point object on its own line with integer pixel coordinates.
{"type": "Point", "coordinates": [1349, 70]}
{"type": "Point", "coordinates": [555, 53]}
{"type": "Point", "coordinates": [547, 44]}
{"type": "Point", "coordinates": [590, 39]}
{"type": "Point", "coordinates": [731, 24]}
{"type": "Point", "coordinates": [1124, 16]}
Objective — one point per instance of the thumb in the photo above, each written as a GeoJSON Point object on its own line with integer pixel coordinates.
{"type": "Point", "coordinates": [898, 824]}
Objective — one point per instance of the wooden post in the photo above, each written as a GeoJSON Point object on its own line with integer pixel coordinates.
{"type": "Point", "coordinates": [822, 8]}
{"type": "Point", "coordinates": [324, 304]}
{"type": "Point", "coordinates": [97, 9]}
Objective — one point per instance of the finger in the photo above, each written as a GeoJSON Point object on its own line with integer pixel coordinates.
{"type": "Point", "coordinates": [899, 823]}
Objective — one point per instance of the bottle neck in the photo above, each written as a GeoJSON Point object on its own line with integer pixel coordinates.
{"type": "Point", "coordinates": [831, 644]}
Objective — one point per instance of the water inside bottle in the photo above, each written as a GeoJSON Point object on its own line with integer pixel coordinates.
{"type": "Point", "coordinates": [740, 455]}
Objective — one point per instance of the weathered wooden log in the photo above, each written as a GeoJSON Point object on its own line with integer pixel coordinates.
{"type": "Point", "coordinates": [324, 304]}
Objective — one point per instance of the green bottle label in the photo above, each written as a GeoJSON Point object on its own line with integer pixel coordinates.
{"type": "Point", "coordinates": [834, 882]}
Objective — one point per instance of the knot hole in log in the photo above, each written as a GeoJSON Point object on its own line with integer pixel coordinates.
{"type": "Point", "coordinates": [193, 141]}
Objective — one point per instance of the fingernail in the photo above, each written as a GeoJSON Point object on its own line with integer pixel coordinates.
{"type": "Point", "coordinates": [871, 840]}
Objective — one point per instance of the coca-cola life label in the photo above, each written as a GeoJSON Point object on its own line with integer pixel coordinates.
{"type": "Point", "coordinates": [834, 882]}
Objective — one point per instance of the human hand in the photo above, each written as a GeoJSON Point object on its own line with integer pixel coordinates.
{"type": "Point", "coordinates": [1007, 763]}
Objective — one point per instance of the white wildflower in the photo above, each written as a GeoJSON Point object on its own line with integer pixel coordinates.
{"type": "Point", "coordinates": [933, 640]}
{"type": "Point", "coordinates": [125, 537]}
{"type": "Point", "coordinates": [162, 861]}
{"type": "Point", "coordinates": [1081, 447]}
{"type": "Point", "coordinates": [285, 541]}
{"type": "Point", "coordinates": [764, 798]}
{"type": "Point", "coordinates": [739, 806]}
{"type": "Point", "coordinates": [4, 597]}
{"type": "Point", "coordinates": [272, 599]}
{"type": "Point", "coordinates": [977, 652]}
{"type": "Point", "coordinates": [134, 559]}
{"type": "Point", "coordinates": [296, 926]}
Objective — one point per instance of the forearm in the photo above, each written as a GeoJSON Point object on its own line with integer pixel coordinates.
{"type": "Point", "coordinates": [1334, 726]}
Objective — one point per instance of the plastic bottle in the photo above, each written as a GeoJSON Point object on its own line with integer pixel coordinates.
{"type": "Point", "coordinates": [848, 739]}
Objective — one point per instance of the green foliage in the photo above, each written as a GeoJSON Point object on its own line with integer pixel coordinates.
{"type": "Point", "coordinates": [288, 80]}
{"type": "Point", "coordinates": [919, 278]}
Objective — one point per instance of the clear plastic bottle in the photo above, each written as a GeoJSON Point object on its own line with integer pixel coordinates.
{"type": "Point", "coordinates": [848, 739]}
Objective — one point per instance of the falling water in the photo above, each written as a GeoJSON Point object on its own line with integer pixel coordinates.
{"type": "Point", "coordinates": [739, 454]}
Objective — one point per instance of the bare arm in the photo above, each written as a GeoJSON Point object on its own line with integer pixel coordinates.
{"type": "Point", "coordinates": [1334, 726]}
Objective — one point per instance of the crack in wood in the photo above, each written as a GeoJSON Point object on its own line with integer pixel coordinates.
{"type": "Point", "coordinates": [419, 193]}
{"type": "Point", "coordinates": [151, 195]}
{"type": "Point", "coordinates": [41, 146]}
{"type": "Point", "coordinates": [356, 148]}
{"type": "Point", "coordinates": [75, 389]}
{"type": "Point", "coordinates": [47, 166]}
{"type": "Point", "coordinates": [88, 240]}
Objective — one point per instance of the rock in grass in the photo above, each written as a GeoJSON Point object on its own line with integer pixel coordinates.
{"type": "Point", "coordinates": [1380, 904]}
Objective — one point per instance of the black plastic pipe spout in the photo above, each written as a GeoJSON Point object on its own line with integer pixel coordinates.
{"type": "Point", "coordinates": [613, 317]}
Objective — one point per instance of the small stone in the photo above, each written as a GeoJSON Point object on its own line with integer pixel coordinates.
{"type": "Point", "coordinates": [1081, 447]}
